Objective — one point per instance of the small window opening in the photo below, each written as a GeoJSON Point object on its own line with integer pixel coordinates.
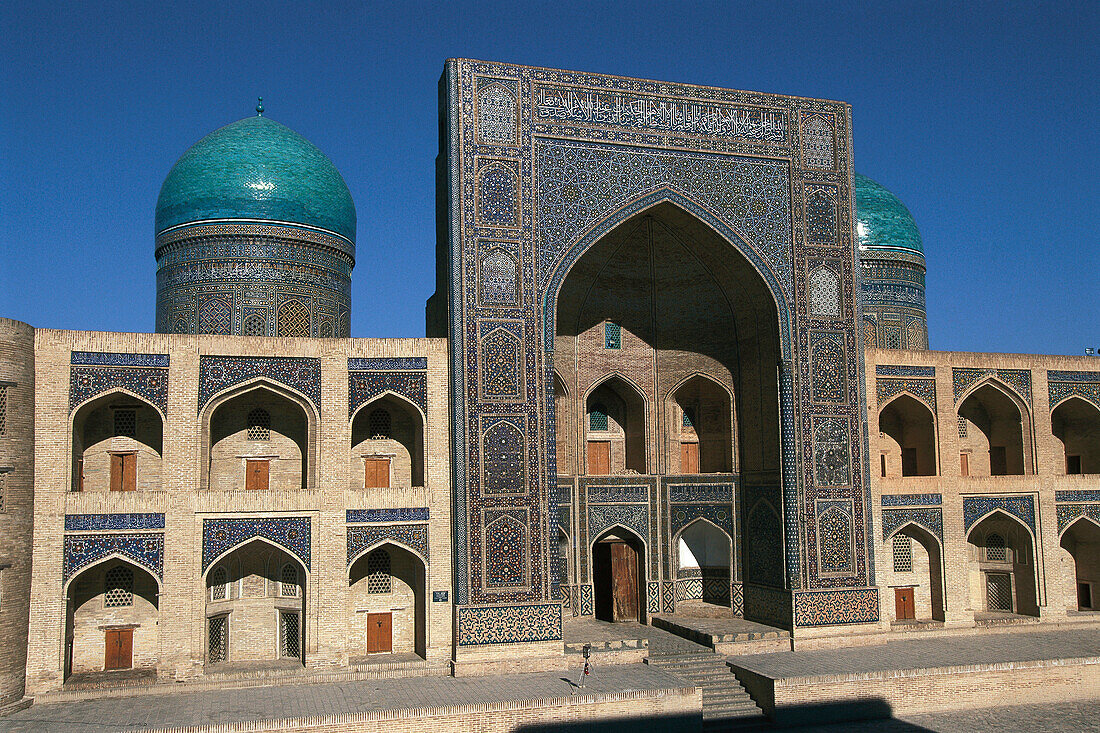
{"type": "Point", "coordinates": [118, 587]}
{"type": "Point", "coordinates": [995, 549]}
{"type": "Point", "coordinates": [259, 425]}
{"type": "Point", "coordinates": [903, 554]}
{"type": "Point", "coordinates": [597, 418]}
{"type": "Point", "coordinates": [126, 423]}
{"type": "Point", "coordinates": [612, 336]}
{"type": "Point", "coordinates": [379, 580]}
{"type": "Point", "coordinates": [288, 581]}
{"type": "Point", "coordinates": [380, 424]}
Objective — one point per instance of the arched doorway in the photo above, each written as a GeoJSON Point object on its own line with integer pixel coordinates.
{"type": "Point", "coordinates": [662, 298]}
{"type": "Point", "coordinates": [615, 435]}
{"type": "Point", "coordinates": [998, 446]}
{"type": "Point", "coordinates": [909, 445]}
{"type": "Point", "coordinates": [386, 602]}
{"type": "Point", "coordinates": [618, 576]}
{"type": "Point", "coordinates": [701, 428]}
{"type": "Point", "coordinates": [111, 621]}
{"type": "Point", "coordinates": [255, 606]}
{"type": "Point", "coordinates": [259, 437]}
{"type": "Point", "coordinates": [915, 575]}
{"type": "Point", "coordinates": [1076, 423]}
{"type": "Point", "coordinates": [387, 444]}
{"type": "Point", "coordinates": [117, 444]}
{"type": "Point", "coordinates": [1002, 567]}
{"type": "Point", "coordinates": [1081, 540]}
{"type": "Point", "coordinates": [703, 564]}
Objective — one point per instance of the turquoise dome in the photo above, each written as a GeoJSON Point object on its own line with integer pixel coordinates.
{"type": "Point", "coordinates": [256, 168]}
{"type": "Point", "coordinates": [882, 221]}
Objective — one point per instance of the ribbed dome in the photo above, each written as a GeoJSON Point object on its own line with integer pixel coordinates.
{"type": "Point", "coordinates": [256, 168]}
{"type": "Point", "coordinates": [882, 221]}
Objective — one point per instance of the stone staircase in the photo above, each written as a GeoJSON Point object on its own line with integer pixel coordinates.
{"type": "Point", "coordinates": [726, 704]}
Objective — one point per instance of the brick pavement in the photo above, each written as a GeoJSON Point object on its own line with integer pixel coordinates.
{"type": "Point", "coordinates": [925, 653]}
{"type": "Point", "coordinates": [291, 701]}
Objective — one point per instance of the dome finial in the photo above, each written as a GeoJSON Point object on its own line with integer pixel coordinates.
{"type": "Point", "coordinates": [259, 106]}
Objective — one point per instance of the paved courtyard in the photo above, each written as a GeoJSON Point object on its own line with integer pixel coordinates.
{"type": "Point", "coordinates": [1063, 716]}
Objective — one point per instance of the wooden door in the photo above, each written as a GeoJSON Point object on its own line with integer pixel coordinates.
{"type": "Point", "coordinates": [599, 457]}
{"type": "Point", "coordinates": [378, 473]}
{"type": "Point", "coordinates": [964, 464]}
{"type": "Point", "coordinates": [123, 472]}
{"type": "Point", "coordinates": [689, 458]}
{"type": "Point", "coordinates": [624, 582]}
{"type": "Point", "coordinates": [119, 651]}
{"type": "Point", "coordinates": [256, 474]}
{"type": "Point", "coordinates": [904, 605]}
{"type": "Point", "coordinates": [379, 632]}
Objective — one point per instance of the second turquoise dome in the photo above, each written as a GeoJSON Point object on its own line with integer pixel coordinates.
{"type": "Point", "coordinates": [256, 168]}
{"type": "Point", "coordinates": [882, 220]}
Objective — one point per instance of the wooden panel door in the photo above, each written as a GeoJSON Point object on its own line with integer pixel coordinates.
{"type": "Point", "coordinates": [599, 457]}
{"type": "Point", "coordinates": [964, 464]}
{"type": "Point", "coordinates": [256, 474]}
{"type": "Point", "coordinates": [624, 582]}
{"type": "Point", "coordinates": [123, 472]}
{"type": "Point", "coordinates": [689, 458]}
{"type": "Point", "coordinates": [379, 632]}
{"type": "Point", "coordinates": [377, 473]}
{"type": "Point", "coordinates": [119, 649]}
{"type": "Point", "coordinates": [904, 605]}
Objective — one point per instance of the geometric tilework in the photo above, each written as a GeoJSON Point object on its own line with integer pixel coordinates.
{"type": "Point", "coordinates": [922, 389]}
{"type": "Point", "coordinates": [912, 499]}
{"type": "Point", "coordinates": [976, 507]}
{"type": "Point", "coordinates": [406, 514]}
{"type": "Point", "coordinates": [834, 536]}
{"type": "Point", "coordinates": [414, 536]}
{"type": "Point", "coordinates": [668, 596]}
{"type": "Point", "coordinates": [291, 533]}
{"type": "Point", "coordinates": [509, 624]}
{"type": "Point", "coordinates": [94, 522]}
{"type": "Point", "coordinates": [297, 372]}
{"type": "Point", "coordinates": [827, 367]}
{"type": "Point", "coordinates": [1017, 379]}
{"type": "Point", "coordinates": [101, 358]}
{"type": "Point", "coordinates": [738, 599]}
{"type": "Point", "coordinates": [653, 596]}
{"type": "Point", "coordinates": [680, 515]}
{"type": "Point", "coordinates": [1089, 391]}
{"type": "Point", "coordinates": [364, 386]}
{"type": "Point", "coordinates": [1077, 495]}
{"type": "Point", "coordinates": [632, 516]}
{"type": "Point", "coordinates": [387, 364]}
{"type": "Point", "coordinates": [80, 550]}
{"type": "Point", "coordinates": [892, 370]}
{"type": "Point", "coordinates": [930, 519]}
{"type": "Point", "coordinates": [826, 608]}
{"type": "Point", "coordinates": [771, 606]}
{"type": "Point", "coordinates": [1069, 513]}
{"type": "Point", "coordinates": [586, 602]}
{"type": "Point", "coordinates": [86, 382]}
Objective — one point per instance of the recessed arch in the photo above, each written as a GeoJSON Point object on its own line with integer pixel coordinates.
{"type": "Point", "coordinates": [704, 556]}
{"type": "Point", "coordinates": [700, 425]}
{"type": "Point", "coordinates": [1080, 541]}
{"type": "Point", "coordinates": [620, 435]}
{"type": "Point", "coordinates": [116, 443]}
{"type": "Point", "coordinates": [618, 561]}
{"type": "Point", "coordinates": [397, 458]}
{"type": "Point", "coordinates": [385, 541]}
{"type": "Point", "coordinates": [1003, 580]}
{"type": "Point", "coordinates": [245, 542]}
{"type": "Point", "coordinates": [924, 576]}
{"type": "Point", "coordinates": [1076, 423]}
{"type": "Point", "coordinates": [387, 617]}
{"type": "Point", "coordinates": [908, 426]}
{"type": "Point", "coordinates": [1001, 443]}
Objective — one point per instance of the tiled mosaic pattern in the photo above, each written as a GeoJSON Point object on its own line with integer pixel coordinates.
{"type": "Point", "coordinates": [827, 608]}
{"type": "Point", "coordinates": [930, 519]}
{"type": "Point", "coordinates": [506, 562]}
{"type": "Point", "coordinates": [768, 605]}
{"type": "Point", "coordinates": [653, 597]}
{"type": "Point", "coordinates": [681, 515]}
{"type": "Point", "coordinates": [101, 358]}
{"type": "Point", "coordinates": [737, 603]}
{"type": "Point", "coordinates": [634, 517]}
{"type": "Point", "coordinates": [923, 389]}
{"type": "Point", "coordinates": [834, 537]}
{"type": "Point", "coordinates": [221, 535]}
{"type": "Point", "coordinates": [893, 370]}
{"type": "Point", "coordinates": [509, 624]}
{"type": "Point", "coordinates": [144, 548]}
{"type": "Point", "coordinates": [95, 522]}
{"type": "Point", "coordinates": [404, 514]}
{"type": "Point", "coordinates": [413, 536]}
{"type": "Point", "coordinates": [828, 368]}
{"type": "Point", "coordinates": [125, 371]}
{"type": "Point", "coordinates": [365, 386]}
{"type": "Point", "coordinates": [587, 603]}
{"type": "Point", "coordinates": [388, 364]}
{"type": "Point", "coordinates": [1063, 385]}
{"type": "Point", "coordinates": [1019, 380]}
{"type": "Point", "coordinates": [668, 596]}
{"type": "Point", "coordinates": [911, 499]}
{"type": "Point", "coordinates": [976, 507]}
{"type": "Point", "coordinates": [1077, 495]}
{"type": "Point", "coordinates": [617, 493]}
{"type": "Point", "coordinates": [302, 374]}
{"type": "Point", "coordinates": [1070, 513]}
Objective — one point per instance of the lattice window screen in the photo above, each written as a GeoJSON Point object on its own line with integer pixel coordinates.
{"type": "Point", "coordinates": [126, 423]}
{"type": "Point", "coordinates": [259, 424]}
{"type": "Point", "coordinates": [293, 319]}
{"type": "Point", "coordinates": [255, 325]}
{"type": "Point", "coordinates": [291, 635]}
{"type": "Point", "coordinates": [999, 591]}
{"type": "Point", "coordinates": [288, 581]}
{"type": "Point", "coordinates": [903, 554]}
{"type": "Point", "coordinates": [612, 335]}
{"type": "Point", "coordinates": [218, 581]}
{"type": "Point", "coordinates": [118, 587]}
{"type": "Point", "coordinates": [379, 579]}
{"type": "Point", "coordinates": [995, 550]}
{"type": "Point", "coordinates": [962, 426]}
{"type": "Point", "coordinates": [381, 424]}
{"type": "Point", "coordinates": [597, 418]}
{"type": "Point", "coordinates": [218, 638]}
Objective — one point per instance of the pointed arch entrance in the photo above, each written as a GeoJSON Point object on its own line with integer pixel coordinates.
{"type": "Point", "coordinates": [915, 574]}
{"type": "Point", "coordinates": [1081, 541]}
{"type": "Point", "coordinates": [1000, 445]}
{"type": "Point", "coordinates": [117, 443]}
{"type": "Point", "coordinates": [704, 563]}
{"type": "Point", "coordinates": [387, 604]}
{"type": "Point", "coordinates": [1002, 566]}
{"type": "Point", "coordinates": [1076, 423]}
{"type": "Point", "coordinates": [618, 575]}
{"type": "Point", "coordinates": [910, 429]}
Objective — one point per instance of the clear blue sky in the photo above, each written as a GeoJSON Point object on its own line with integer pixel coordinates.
{"type": "Point", "coordinates": [982, 117]}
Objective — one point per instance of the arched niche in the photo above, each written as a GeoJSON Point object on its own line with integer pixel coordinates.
{"type": "Point", "coordinates": [1001, 563]}
{"type": "Point", "coordinates": [1076, 423]}
{"type": "Point", "coordinates": [255, 606]}
{"type": "Point", "coordinates": [700, 427]}
{"type": "Point", "coordinates": [1000, 444]}
{"type": "Point", "coordinates": [259, 436]}
{"type": "Point", "coordinates": [1081, 542]}
{"type": "Point", "coordinates": [909, 437]}
{"type": "Point", "coordinates": [704, 552]}
{"type": "Point", "coordinates": [117, 444]}
{"type": "Point", "coordinates": [916, 566]}
{"type": "Point", "coordinates": [618, 575]}
{"type": "Point", "coordinates": [615, 428]}
{"type": "Point", "coordinates": [111, 619]}
{"type": "Point", "coordinates": [386, 602]}
{"type": "Point", "coordinates": [565, 428]}
{"type": "Point", "coordinates": [387, 444]}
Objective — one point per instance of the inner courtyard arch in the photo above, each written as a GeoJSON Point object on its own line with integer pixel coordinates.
{"type": "Point", "coordinates": [910, 428]}
{"type": "Point", "coordinates": [615, 428]}
{"type": "Point", "coordinates": [1081, 542]}
{"type": "Point", "coordinates": [704, 563]}
{"type": "Point", "coordinates": [1000, 446]}
{"type": "Point", "coordinates": [915, 574]}
{"type": "Point", "coordinates": [700, 427]}
{"type": "Point", "coordinates": [618, 576]}
{"type": "Point", "coordinates": [387, 444]}
{"type": "Point", "coordinates": [1076, 423]}
{"type": "Point", "coordinates": [387, 604]}
{"type": "Point", "coordinates": [1002, 577]}
{"type": "Point", "coordinates": [117, 444]}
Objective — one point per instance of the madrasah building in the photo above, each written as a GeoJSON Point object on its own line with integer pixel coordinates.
{"type": "Point", "coordinates": [677, 358]}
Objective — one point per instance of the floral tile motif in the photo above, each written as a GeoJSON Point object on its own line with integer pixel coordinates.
{"type": "Point", "coordinates": [891, 370]}
{"type": "Point", "coordinates": [923, 389]}
{"type": "Point", "coordinates": [388, 364]}
{"type": "Point", "coordinates": [404, 514]}
{"type": "Point", "coordinates": [963, 378]}
{"type": "Point", "coordinates": [839, 606]}
{"type": "Point", "coordinates": [81, 550]}
{"type": "Point", "coordinates": [365, 386]}
{"type": "Point", "coordinates": [86, 382]}
{"type": "Point", "coordinates": [479, 625]}
{"type": "Point", "coordinates": [1070, 513]}
{"type": "Point", "coordinates": [302, 374]}
{"type": "Point", "coordinates": [976, 507]}
{"type": "Point", "coordinates": [414, 536]}
{"type": "Point", "coordinates": [290, 533]}
{"type": "Point", "coordinates": [930, 519]}
{"type": "Point", "coordinates": [912, 499]}
{"type": "Point", "coordinates": [1077, 495]}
